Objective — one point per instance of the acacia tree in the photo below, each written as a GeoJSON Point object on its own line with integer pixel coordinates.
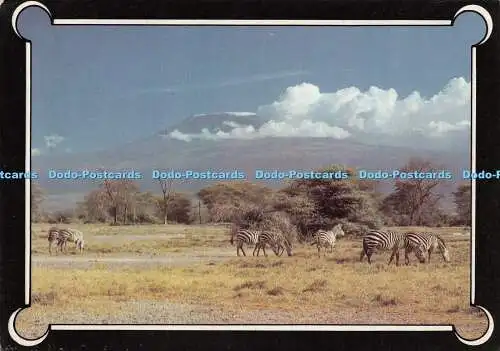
{"type": "Point", "coordinates": [235, 201]}
{"type": "Point", "coordinates": [325, 202]}
{"type": "Point", "coordinates": [412, 198]}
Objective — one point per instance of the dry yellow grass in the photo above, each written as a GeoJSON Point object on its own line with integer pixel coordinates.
{"type": "Point", "coordinates": [333, 289]}
{"type": "Point", "coordinates": [105, 239]}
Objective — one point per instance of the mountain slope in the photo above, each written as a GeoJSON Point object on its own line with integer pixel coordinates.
{"type": "Point", "coordinates": [160, 152]}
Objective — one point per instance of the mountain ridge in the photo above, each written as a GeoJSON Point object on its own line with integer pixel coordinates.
{"type": "Point", "coordinates": [160, 152]}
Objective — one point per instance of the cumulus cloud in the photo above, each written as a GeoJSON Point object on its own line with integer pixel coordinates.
{"type": "Point", "coordinates": [441, 127]}
{"type": "Point", "coordinates": [305, 111]}
{"type": "Point", "coordinates": [51, 141]}
{"type": "Point", "coordinates": [35, 152]}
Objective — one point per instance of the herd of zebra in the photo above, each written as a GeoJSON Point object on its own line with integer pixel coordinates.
{"type": "Point", "coordinates": [420, 243]}
{"type": "Point", "coordinates": [61, 236]}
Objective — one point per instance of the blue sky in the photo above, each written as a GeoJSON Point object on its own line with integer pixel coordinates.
{"type": "Point", "coordinates": [100, 86]}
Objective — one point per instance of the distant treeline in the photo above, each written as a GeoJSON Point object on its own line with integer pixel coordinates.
{"type": "Point", "coordinates": [304, 205]}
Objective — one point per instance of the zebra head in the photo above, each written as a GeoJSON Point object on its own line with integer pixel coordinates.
{"type": "Point", "coordinates": [443, 249]}
{"type": "Point", "coordinates": [276, 249]}
{"type": "Point", "coordinates": [337, 230]}
{"type": "Point", "coordinates": [288, 247]}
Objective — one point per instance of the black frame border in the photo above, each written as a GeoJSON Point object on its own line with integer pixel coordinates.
{"type": "Point", "coordinates": [12, 158]}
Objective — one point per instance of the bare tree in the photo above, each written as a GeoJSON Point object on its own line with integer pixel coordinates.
{"type": "Point", "coordinates": [127, 194]}
{"type": "Point", "coordinates": [111, 191]}
{"type": "Point", "coordinates": [167, 190]}
{"type": "Point", "coordinates": [413, 197]}
{"type": "Point", "coordinates": [120, 195]}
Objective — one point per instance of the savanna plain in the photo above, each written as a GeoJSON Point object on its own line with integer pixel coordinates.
{"type": "Point", "coordinates": [188, 274]}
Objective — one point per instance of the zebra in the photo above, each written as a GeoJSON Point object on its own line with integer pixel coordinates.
{"type": "Point", "coordinates": [422, 242]}
{"type": "Point", "coordinates": [54, 236]}
{"type": "Point", "coordinates": [327, 238]}
{"type": "Point", "coordinates": [71, 235]}
{"type": "Point", "coordinates": [276, 241]}
{"type": "Point", "coordinates": [245, 236]}
{"type": "Point", "coordinates": [375, 240]}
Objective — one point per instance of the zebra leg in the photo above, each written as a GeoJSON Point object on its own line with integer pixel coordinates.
{"type": "Point", "coordinates": [238, 249]}
{"type": "Point", "coordinates": [259, 248]}
{"type": "Point", "coordinates": [319, 254]}
{"type": "Point", "coordinates": [395, 252]}
{"type": "Point", "coordinates": [264, 250]}
{"type": "Point", "coordinates": [244, 254]}
{"type": "Point", "coordinates": [369, 257]}
{"type": "Point", "coordinates": [282, 250]}
{"type": "Point", "coordinates": [256, 248]}
{"type": "Point", "coordinates": [363, 252]}
{"type": "Point", "coordinates": [277, 251]}
{"type": "Point", "coordinates": [362, 255]}
{"type": "Point", "coordinates": [429, 259]}
{"type": "Point", "coordinates": [407, 257]}
{"type": "Point", "coordinates": [392, 257]}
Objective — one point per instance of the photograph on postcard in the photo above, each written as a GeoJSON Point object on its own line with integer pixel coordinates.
{"type": "Point", "coordinates": [253, 173]}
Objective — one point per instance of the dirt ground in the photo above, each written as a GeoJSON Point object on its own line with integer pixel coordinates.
{"type": "Point", "coordinates": [143, 309]}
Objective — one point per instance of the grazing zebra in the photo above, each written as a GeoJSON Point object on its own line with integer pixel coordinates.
{"type": "Point", "coordinates": [376, 240]}
{"type": "Point", "coordinates": [71, 235]}
{"type": "Point", "coordinates": [54, 237]}
{"type": "Point", "coordinates": [421, 242]}
{"type": "Point", "coordinates": [245, 236]}
{"type": "Point", "coordinates": [327, 238]}
{"type": "Point", "coordinates": [276, 241]}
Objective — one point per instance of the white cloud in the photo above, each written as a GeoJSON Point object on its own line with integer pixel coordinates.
{"type": "Point", "coordinates": [304, 111]}
{"type": "Point", "coordinates": [180, 136]}
{"type": "Point", "coordinates": [35, 152]}
{"type": "Point", "coordinates": [439, 128]}
{"type": "Point", "coordinates": [51, 141]}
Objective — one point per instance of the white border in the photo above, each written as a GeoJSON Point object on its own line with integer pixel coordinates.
{"type": "Point", "coordinates": [32, 342]}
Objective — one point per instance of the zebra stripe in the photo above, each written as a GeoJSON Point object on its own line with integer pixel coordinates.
{"type": "Point", "coordinates": [54, 236]}
{"type": "Point", "coordinates": [422, 242]}
{"type": "Point", "coordinates": [245, 236]}
{"type": "Point", "coordinates": [377, 240]}
{"type": "Point", "coordinates": [73, 236]}
{"type": "Point", "coordinates": [327, 238]}
{"type": "Point", "coordinates": [276, 241]}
